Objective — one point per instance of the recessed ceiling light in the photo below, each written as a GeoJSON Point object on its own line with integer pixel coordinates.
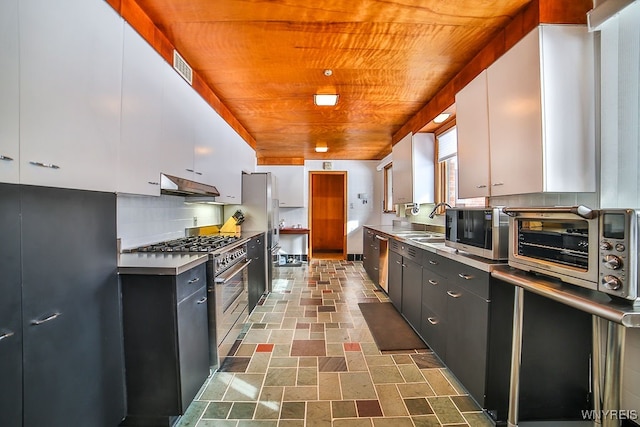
{"type": "Point", "coordinates": [322, 149]}
{"type": "Point", "coordinates": [441, 117]}
{"type": "Point", "coordinates": [328, 72]}
{"type": "Point", "coordinates": [325, 100]}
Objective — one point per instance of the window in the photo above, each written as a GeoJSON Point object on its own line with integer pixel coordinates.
{"type": "Point", "coordinates": [447, 172]}
{"type": "Point", "coordinates": [388, 205]}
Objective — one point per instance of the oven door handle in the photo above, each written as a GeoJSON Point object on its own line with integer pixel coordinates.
{"type": "Point", "coordinates": [582, 211]}
{"type": "Point", "coordinates": [232, 272]}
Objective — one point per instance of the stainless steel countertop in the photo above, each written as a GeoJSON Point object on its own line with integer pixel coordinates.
{"type": "Point", "coordinates": [482, 264]}
{"type": "Point", "coordinates": [162, 264]}
{"type": "Point", "coordinates": [587, 300]}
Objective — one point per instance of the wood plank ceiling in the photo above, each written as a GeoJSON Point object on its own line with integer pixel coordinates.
{"type": "Point", "coordinates": [261, 61]}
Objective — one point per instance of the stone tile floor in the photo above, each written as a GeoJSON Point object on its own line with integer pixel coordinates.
{"type": "Point", "coordinates": [306, 358]}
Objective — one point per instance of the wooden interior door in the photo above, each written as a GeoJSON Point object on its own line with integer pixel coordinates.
{"type": "Point", "coordinates": [328, 214]}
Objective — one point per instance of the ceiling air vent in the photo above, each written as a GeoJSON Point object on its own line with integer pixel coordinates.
{"type": "Point", "coordinates": [181, 66]}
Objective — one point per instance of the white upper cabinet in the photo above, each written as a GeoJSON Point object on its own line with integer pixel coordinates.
{"type": "Point", "coordinates": [70, 93]}
{"type": "Point", "coordinates": [472, 123]}
{"type": "Point", "coordinates": [142, 87]}
{"type": "Point", "coordinates": [541, 113]}
{"type": "Point", "coordinates": [205, 152]}
{"type": "Point", "coordinates": [413, 169]}
{"type": "Point", "coordinates": [289, 183]}
{"type": "Point", "coordinates": [9, 93]}
{"type": "Point", "coordinates": [177, 138]}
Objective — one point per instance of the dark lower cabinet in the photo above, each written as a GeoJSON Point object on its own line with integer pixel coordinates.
{"type": "Point", "coordinates": [257, 274]}
{"type": "Point", "coordinates": [395, 280]}
{"type": "Point", "coordinates": [371, 255]}
{"type": "Point", "coordinates": [10, 307]}
{"type": "Point", "coordinates": [412, 292]}
{"type": "Point", "coordinates": [165, 344]}
{"type": "Point", "coordinates": [61, 349]}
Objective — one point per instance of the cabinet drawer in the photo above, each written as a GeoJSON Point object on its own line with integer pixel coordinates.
{"type": "Point", "coordinates": [471, 279]}
{"type": "Point", "coordinates": [190, 281]}
{"type": "Point", "coordinates": [433, 329]}
{"type": "Point", "coordinates": [437, 263]}
{"type": "Point", "coordinates": [434, 292]}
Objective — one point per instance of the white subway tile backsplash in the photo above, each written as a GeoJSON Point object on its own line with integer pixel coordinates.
{"type": "Point", "coordinates": [146, 219]}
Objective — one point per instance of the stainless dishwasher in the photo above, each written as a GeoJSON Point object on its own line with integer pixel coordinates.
{"type": "Point", "coordinates": [384, 261]}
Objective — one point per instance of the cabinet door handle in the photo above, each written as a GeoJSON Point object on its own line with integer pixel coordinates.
{"type": "Point", "coordinates": [198, 173]}
{"type": "Point", "coordinates": [202, 300]}
{"type": "Point", "coordinates": [189, 170]}
{"type": "Point", "coordinates": [433, 320]}
{"type": "Point", "coordinates": [6, 335]}
{"type": "Point", "coordinates": [375, 268]}
{"type": "Point", "coordinates": [497, 184]}
{"type": "Point", "coordinates": [7, 158]}
{"type": "Point", "coordinates": [194, 280]}
{"type": "Point", "coordinates": [465, 276]}
{"type": "Point", "coordinates": [481, 186]}
{"type": "Point", "coordinates": [433, 282]}
{"type": "Point", "coordinates": [49, 318]}
{"type": "Point", "coordinates": [153, 183]}
{"type": "Point", "coordinates": [454, 294]}
{"type": "Point", "coordinates": [433, 262]}
{"type": "Point", "coordinates": [398, 262]}
{"type": "Point", "coordinates": [403, 265]}
{"type": "Point", "coordinates": [45, 165]}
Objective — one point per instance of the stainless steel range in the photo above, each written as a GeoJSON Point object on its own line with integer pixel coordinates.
{"type": "Point", "coordinates": [227, 296]}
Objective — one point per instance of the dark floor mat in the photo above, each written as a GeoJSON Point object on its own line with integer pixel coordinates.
{"type": "Point", "coordinates": [389, 329]}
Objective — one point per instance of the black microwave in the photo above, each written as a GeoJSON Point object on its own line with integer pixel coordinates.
{"type": "Point", "coordinates": [479, 231]}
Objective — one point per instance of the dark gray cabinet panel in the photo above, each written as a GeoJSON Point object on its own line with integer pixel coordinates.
{"type": "Point", "coordinates": [412, 292]}
{"type": "Point", "coordinates": [257, 274]}
{"type": "Point", "coordinates": [371, 255]}
{"type": "Point", "coordinates": [395, 280]}
{"type": "Point", "coordinates": [73, 364]}
{"type": "Point", "coordinates": [165, 344]}
{"type": "Point", "coordinates": [10, 308]}
{"type": "Point", "coordinates": [467, 334]}
{"type": "Point", "coordinates": [433, 331]}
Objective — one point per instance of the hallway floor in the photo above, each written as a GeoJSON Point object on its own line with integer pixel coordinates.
{"type": "Point", "coordinates": [306, 358]}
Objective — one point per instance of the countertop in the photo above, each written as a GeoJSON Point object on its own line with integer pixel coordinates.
{"type": "Point", "coordinates": [159, 264]}
{"type": "Point", "coordinates": [438, 248]}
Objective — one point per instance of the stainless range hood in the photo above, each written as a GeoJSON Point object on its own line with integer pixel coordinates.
{"type": "Point", "coordinates": [177, 186]}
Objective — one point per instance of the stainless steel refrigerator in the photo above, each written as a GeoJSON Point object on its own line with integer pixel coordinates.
{"type": "Point", "coordinates": [261, 213]}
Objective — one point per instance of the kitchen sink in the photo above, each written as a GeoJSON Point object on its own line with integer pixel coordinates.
{"type": "Point", "coordinates": [432, 238]}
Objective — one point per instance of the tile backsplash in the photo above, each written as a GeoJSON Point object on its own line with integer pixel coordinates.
{"type": "Point", "coordinates": [147, 219]}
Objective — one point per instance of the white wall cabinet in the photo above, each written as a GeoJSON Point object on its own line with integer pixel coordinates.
{"type": "Point", "coordinates": [413, 169]}
{"type": "Point", "coordinates": [142, 88]}
{"type": "Point", "coordinates": [290, 185]}
{"type": "Point", "coordinates": [541, 113]}
{"type": "Point", "coordinates": [70, 93]}
{"type": "Point", "coordinates": [472, 123]}
{"type": "Point", "coordinates": [9, 93]}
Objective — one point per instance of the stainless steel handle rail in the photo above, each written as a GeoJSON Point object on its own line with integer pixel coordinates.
{"type": "Point", "coordinates": [432, 320]}
{"type": "Point", "coordinates": [49, 318]}
{"type": "Point", "coordinates": [45, 165]}
{"type": "Point", "coordinates": [202, 300]}
{"type": "Point", "coordinates": [382, 238]}
{"type": "Point", "coordinates": [433, 262]}
{"type": "Point", "coordinates": [7, 158]}
{"type": "Point", "coordinates": [194, 280]}
{"type": "Point", "coordinates": [465, 276]}
{"type": "Point", "coordinates": [454, 294]}
{"type": "Point", "coordinates": [232, 272]}
{"type": "Point", "coordinates": [580, 210]}
{"type": "Point", "coordinates": [6, 335]}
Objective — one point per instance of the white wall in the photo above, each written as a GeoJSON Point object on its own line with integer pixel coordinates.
{"type": "Point", "coordinates": [146, 219]}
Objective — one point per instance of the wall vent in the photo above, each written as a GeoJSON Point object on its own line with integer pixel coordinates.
{"type": "Point", "coordinates": [181, 66]}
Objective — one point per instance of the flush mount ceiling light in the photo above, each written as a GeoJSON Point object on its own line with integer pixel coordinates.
{"type": "Point", "coordinates": [441, 117]}
{"type": "Point", "coordinates": [325, 100]}
{"type": "Point", "coordinates": [322, 149]}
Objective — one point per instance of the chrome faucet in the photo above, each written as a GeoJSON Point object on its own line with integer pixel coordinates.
{"type": "Point", "coordinates": [433, 212]}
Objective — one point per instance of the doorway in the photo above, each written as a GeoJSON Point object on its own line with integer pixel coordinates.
{"type": "Point", "coordinates": [328, 215]}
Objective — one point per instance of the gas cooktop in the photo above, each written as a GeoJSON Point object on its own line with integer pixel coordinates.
{"type": "Point", "coordinates": [207, 243]}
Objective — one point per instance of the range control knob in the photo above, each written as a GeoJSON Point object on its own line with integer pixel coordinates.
{"type": "Point", "coordinates": [605, 246]}
{"type": "Point", "coordinates": [611, 282]}
{"type": "Point", "coordinates": [612, 262]}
